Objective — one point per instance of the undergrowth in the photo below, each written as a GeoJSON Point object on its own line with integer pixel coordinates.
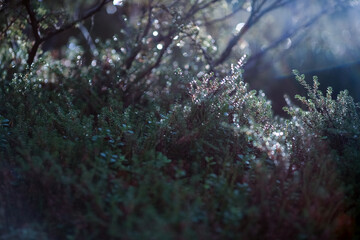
{"type": "Point", "coordinates": [79, 161]}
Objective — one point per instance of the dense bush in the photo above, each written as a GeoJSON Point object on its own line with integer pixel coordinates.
{"type": "Point", "coordinates": [213, 163]}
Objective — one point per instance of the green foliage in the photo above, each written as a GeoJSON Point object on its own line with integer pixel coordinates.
{"type": "Point", "coordinates": [79, 163]}
{"type": "Point", "coordinates": [326, 115]}
{"type": "Point", "coordinates": [93, 148]}
{"type": "Point", "coordinates": [336, 123]}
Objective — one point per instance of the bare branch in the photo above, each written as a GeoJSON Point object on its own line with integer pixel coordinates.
{"type": "Point", "coordinates": [88, 38]}
{"type": "Point", "coordinates": [213, 21]}
{"type": "Point", "coordinates": [276, 5]}
{"type": "Point", "coordinates": [256, 14]}
{"type": "Point", "coordinates": [196, 8]}
{"type": "Point", "coordinates": [90, 13]}
{"type": "Point", "coordinates": [129, 61]}
{"type": "Point", "coordinates": [168, 39]}
{"type": "Point", "coordinates": [3, 32]}
{"type": "Point", "coordinates": [288, 35]}
{"type": "Point", "coordinates": [32, 20]}
{"type": "Point", "coordinates": [149, 21]}
{"type": "Point", "coordinates": [231, 44]}
{"type": "Point", "coordinates": [35, 26]}
{"type": "Point", "coordinates": [148, 70]}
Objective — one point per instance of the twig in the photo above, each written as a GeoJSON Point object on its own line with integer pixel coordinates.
{"type": "Point", "coordinates": [213, 21]}
{"type": "Point", "coordinates": [255, 16]}
{"type": "Point", "coordinates": [148, 70]}
{"type": "Point", "coordinates": [286, 36]}
{"type": "Point", "coordinates": [35, 27]}
{"type": "Point", "coordinates": [129, 61]}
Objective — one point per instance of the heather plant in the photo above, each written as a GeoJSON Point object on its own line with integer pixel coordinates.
{"type": "Point", "coordinates": [336, 123]}
{"type": "Point", "coordinates": [212, 163]}
{"type": "Point", "coordinates": [125, 166]}
{"type": "Point", "coordinates": [121, 146]}
{"type": "Point", "coordinates": [337, 119]}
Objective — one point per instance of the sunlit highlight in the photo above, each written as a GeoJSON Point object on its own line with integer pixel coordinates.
{"type": "Point", "coordinates": [118, 2]}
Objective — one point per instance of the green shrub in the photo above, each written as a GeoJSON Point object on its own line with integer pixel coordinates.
{"type": "Point", "coordinates": [336, 123]}
{"type": "Point", "coordinates": [117, 145]}
{"type": "Point", "coordinates": [80, 163]}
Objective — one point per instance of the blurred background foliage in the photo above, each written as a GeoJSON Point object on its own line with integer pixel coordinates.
{"type": "Point", "coordinates": [315, 37]}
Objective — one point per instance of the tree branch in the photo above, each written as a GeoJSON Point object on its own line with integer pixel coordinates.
{"type": "Point", "coordinates": [287, 35]}
{"type": "Point", "coordinates": [35, 26]}
{"type": "Point", "coordinates": [90, 13]}
{"type": "Point", "coordinates": [213, 21]}
{"type": "Point", "coordinates": [231, 44]}
{"type": "Point", "coordinates": [256, 14]}
{"type": "Point", "coordinates": [88, 38]}
{"type": "Point", "coordinates": [3, 32]}
{"type": "Point", "coordinates": [129, 61]}
{"type": "Point", "coordinates": [148, 70]}
{"type": "Point", "coordinates": [33, 21]}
